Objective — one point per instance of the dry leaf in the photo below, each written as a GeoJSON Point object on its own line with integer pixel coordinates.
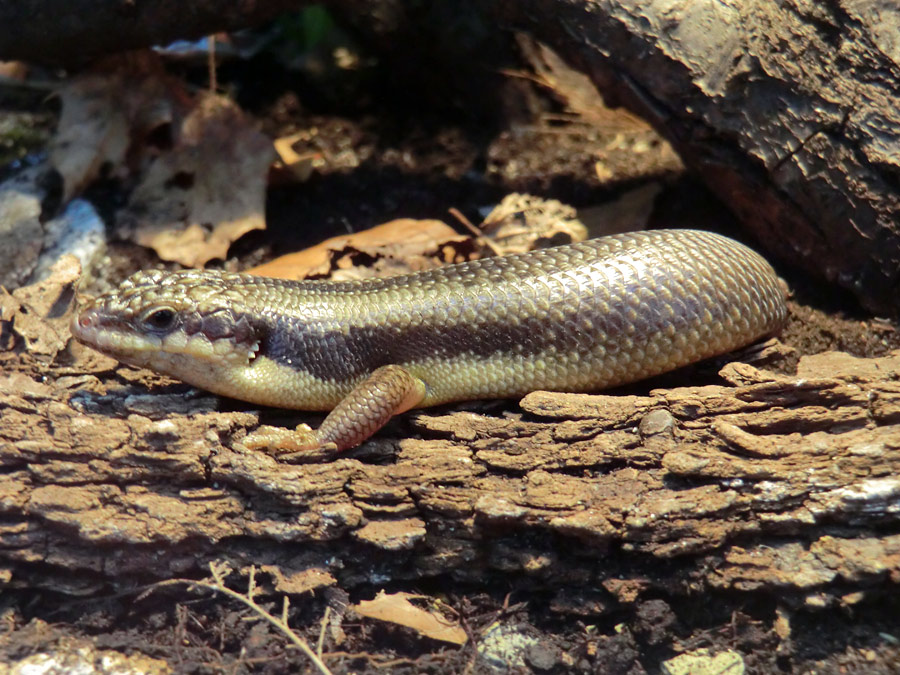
{"type": "Point", "coordinates": [108, 110]}
{"type": "Point", "coordinates": [300, 166]}
{"type": "Point", "coordinates": [398, 609]}
{"type": "Point", "coordinates": [399, 246]}
{"type": "Point", "coordinates": [195, 200]}
{"type": "Point", "coordinates": [21, 231]}
{"type": "Point", "coordinates": [37, 316]}
{"type": "Point", "coordinates": [93, 130]}
{"type": "Point", "coordinates": [576, 89]}
{"type": "Point", "coordinates": [524, 222]}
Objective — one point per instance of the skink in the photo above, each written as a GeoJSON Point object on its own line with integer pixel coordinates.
{"type": "Point", "coordinates": [579, 317]}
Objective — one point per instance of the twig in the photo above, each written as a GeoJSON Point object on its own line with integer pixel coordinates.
{"type": "Point", "coordinates": [465, 222]}
{"type": "Point", "coordinates": [321, 641]}
{"type": "Point", "coordinates": [218, 571]}
{"type": "Point", "coordinates": [211, 64]}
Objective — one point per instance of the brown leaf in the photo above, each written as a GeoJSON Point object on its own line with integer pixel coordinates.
{"type": "Point", "coordinates": [398, 609]}
{"type": "Point", "coordinates": [37, 316]}
{"type": "Point", "coordinates": [403, 245]}
{"type": "Point", "coordinates": [107, 111]}
{"type": "Point", "coordinates": [299, 165]}
{"type": "Point", "coordinates": [21, 231]}
{"type": "Point", "coordinates": [195, 200]}
{"type": "Point", "coordinates": [524, 222]}
{"type": "Point", "coordinates": [575, 88]}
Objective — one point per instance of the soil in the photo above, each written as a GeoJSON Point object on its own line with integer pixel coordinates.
{"type": "Point", "coordinates": [395, 156]}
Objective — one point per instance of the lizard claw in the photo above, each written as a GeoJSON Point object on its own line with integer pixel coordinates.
{"type": "Point", "coordinates": [280, 440]}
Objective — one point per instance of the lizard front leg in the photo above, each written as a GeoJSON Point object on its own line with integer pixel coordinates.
{"type": "Point", "coordinates": [387, 391]}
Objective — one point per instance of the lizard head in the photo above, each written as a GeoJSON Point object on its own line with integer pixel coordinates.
{"type": "Point", "coordinates": [174, 323]}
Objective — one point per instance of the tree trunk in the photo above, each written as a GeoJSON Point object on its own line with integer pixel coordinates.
{"type": "Point", "coordinates": [789, 111]}
{"type": "Point", "coordinates": [70, 33]}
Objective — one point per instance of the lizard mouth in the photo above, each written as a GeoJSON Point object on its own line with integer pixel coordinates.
{"type": "Point", "coordinates": [99, 331]}
{"type": "Point", "coordinates": [117, 338]}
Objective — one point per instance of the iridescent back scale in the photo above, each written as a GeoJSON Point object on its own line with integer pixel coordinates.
{"type": "Point", "coordinates": [580, 317]}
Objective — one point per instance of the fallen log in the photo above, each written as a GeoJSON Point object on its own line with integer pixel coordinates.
{"type": "Point", "coordinates": [766, 482]}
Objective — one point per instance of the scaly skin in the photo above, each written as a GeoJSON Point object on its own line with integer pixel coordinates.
{"type": "Point", "coordinates": [580, 317]}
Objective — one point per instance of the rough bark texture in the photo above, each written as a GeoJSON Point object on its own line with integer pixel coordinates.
{"type": "Point", "coordinates": [779, 484]}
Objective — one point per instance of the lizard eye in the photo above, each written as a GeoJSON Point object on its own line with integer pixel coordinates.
{"type": "Point", "coordinates": [160, 319]}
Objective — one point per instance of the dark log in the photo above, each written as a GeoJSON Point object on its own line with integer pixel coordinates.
{"type": "Point", "coordinates": [789, 111]}
{"type": "Point", "coordinates": [70, 33]}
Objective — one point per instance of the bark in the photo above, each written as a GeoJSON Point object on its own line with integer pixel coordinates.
{"type": "Point", "coordinates": [789, 111]}
{"type": "Point", "coordinates": [780, 484]}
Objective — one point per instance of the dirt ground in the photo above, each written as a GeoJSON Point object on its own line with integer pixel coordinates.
{"type": "Point", "coordinates": [397, 155]}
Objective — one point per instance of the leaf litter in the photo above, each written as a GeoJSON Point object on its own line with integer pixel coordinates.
{"type": "Point", "coordinates": [198, 164]}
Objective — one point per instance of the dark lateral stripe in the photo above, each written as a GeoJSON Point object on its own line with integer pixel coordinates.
{"type": "Point", "coordinates": [524, 307]}
{"type": "Point", "coordinates": [343, 356]}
